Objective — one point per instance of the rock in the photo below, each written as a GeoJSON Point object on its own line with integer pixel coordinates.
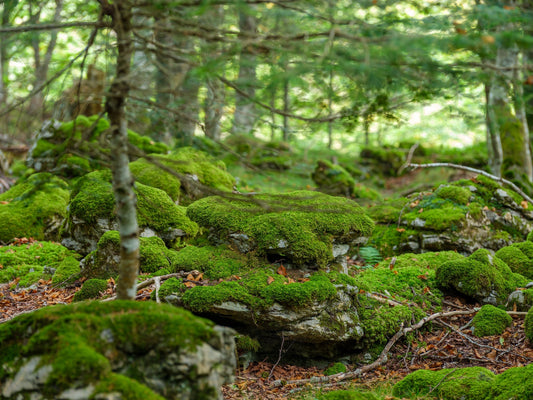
{"type": "Point", "coordinates": [521, 300]}
{"type": "Point", "coordinates": [150, 351]}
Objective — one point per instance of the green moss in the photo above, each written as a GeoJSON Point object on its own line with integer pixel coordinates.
{"type": "Point", "coordinates": [438, 213]}
{"type": "Point", "coordinates": [529, 325]}
{"type": "Point", "coordinates": [518, 258]}
{"type": "Point", "coordinates": [149, 174]}
{"type": "Point", "coordinates": [42, 147]}
{"type": "Point", "coordinates": [451, 384]}
{"type": "Point", "coordinates": [299, 225]}
{"type": "Point", "coordinates": [92, 197]}
{"type": "Point", "coordinates": [475, 210]}
{"type": "Point", "coordinates": [385, 160]}
{"type": "Point", "coordinates": [146, 144]}
{"type": "Point", "coordinates": [154, 255]}
{"type": "Point", "coordinates": [31, 204]}
{"type": "Point", "coordinates": [490, 320]}
{"type": "Point", "coordinates": [91, 289]}
{"type": "Point", "coordinates": [336, 368]}
{"type": "Point", "coordinates": [514, 384]}
{"type": "Point", "coordinates": [67, 271]}
{"type": "Point", "coordinates": [388, 211]}
{"type": "Point", "coordinates": [245, 343]}
{"type": "Point", "coordinates": [70, 338]}
{"type": "Point", "coordinates": [457, 194]}
{"type": "Point", "coordinates": [346, 395]}
{"type": "Point", "coordinates": [333, 179]}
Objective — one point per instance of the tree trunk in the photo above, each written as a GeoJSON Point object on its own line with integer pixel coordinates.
{"type": "Point", "coordinates": [494, 144]}
{"type": "Point", "coordinates": [188, 108]}
{"type": "Point", "coordinates": [244, 115]}
{"type": "Point", "coordinates": [286, 106]}
{"type": "Point", "coordinates": [214, 108]}
{"type": "Point", "coordinates": [120, 12]}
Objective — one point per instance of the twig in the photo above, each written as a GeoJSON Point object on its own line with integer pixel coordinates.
{"type": "Point", "coordinates": [382, 359]}
{"type": "Point", "coordinates": [279, 356]}
{"type": "Point", "coordinates": [442, 380]}
{"type": "Point", "coordinates": [409, 158]}
{"type": "Point", "coordinates": [383, 299]}
{"type": "Point", "coordinates": [476, 171]}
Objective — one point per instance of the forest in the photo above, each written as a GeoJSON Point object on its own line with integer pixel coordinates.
{"type": "Point", "coordinates": [253, 199]}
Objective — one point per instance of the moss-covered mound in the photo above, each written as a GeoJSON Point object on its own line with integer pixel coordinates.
{"type": "Point", "coordinates": [481, 276]}
{"type": "Point", "coordinates": [34, 207]}
{"type": "Point", "coordinates": [102, 348]}
{"type": "Point", "coordinates": [519, 257]}
{"type": "Point", "coordinates": [300, 226]}
{"type": "Point", "coordinates": [346, 395]}
{"type": "Point", "coordinates": [335, 180]}
{"type": "Point", "coordinates": [490, 320]}
{"type": "Point", "coordinates": [92, 212]}
{"type": "Point", "coordinates": [104, 261]}
{"type": "Point", "coordinates": [271, 155]}
{"type": "Point", "coordinates": [386, 161]}
{"type": "Point", "coordinates": [448, 384]}
{"type": "Point", "coordinates": [199, 166]}
{"type": "Point", "coordinates": [31, 262]}
{"type": "Point", "coordinates": [58, 145]}
{"type": "Point", "coordinates": [529, 326]}
{"type": "Point", "coordinates": [67, 271]}
{"type": "Point", "coordinates": [91, 289]}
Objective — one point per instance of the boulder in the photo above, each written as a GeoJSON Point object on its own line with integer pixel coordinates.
{"type": "Point", "coordinates": [114, 350]}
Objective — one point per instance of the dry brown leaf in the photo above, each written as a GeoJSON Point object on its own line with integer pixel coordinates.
{"type": "Point", "coordinates": [282, 270]}
{"type": "Point", "coordinates": [492, 355]}
{"type": "Point", "coordinates": [189, 284]}
{"type": "Point", "coordinates": [270, 280]}
{"type": "Point", "coordinates": [524, 204]}
{"type": "Point", "coordinates": [190, 277]}
{"type": "Point", "coordinates": [400, 230]}
{"type": "Point", "coordinates": [199, 277]}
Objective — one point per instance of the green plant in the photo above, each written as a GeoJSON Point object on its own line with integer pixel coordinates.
{"type": "Point", "coordinates": [370, 256]}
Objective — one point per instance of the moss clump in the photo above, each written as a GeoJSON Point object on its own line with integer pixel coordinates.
{"type": "Point", "coordinates": [71, 338]}
{"type": "Point", "coordinates": [529, 325]}
{"type": "Point", "coordinates": [346, 395]}
{"type": "Point", "coordinates": [32, 204]}
{"type": "Point", "coordinates": [439, 214]}
{"type": "Point", "coordinates": [245, 343]}
{"type": "Point", "coordinates": [147, 144]}
{"type": "Point", "coordinates": [519, 257]}
{"type": "Point", "coordinates": [299, 225]}
{"type": "Point", "coordinates": [478, 276]}
{"type": "Point", "coordinates": [149, 174]}
{"type": "Point", "coordinates": [214, 262]}
{"type": "Point", "coordinates": [67, 271]}
{"type": "Point", "coordinates": [386, 161]}
{"type": "Point", "coordinates": [514, 384]}
{"type": "Point", "coordinates": [457, 194]}
{"type": "Point", "coordinates": [260, 290]}
{"type": "Point", "coordinates": [91, 289]}
{"type": "Point", "coordinates": [333, 179]}
{"type": "Point", "coordinates": [336, 368]}
{"type": "Point", "coordinates": [388, 211]}
{"type": "Point", "coordinates": [461, 384]}
{"type": "Point", "coordinates": [490, 320]}
{"type": "Point", "coordinates": [92, 198]}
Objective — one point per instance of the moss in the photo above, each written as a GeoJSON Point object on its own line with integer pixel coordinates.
{"type": "Point", "coordinates": [513, 384]}
{"type": "Point", "coordinates": [91, 289]}
{"type": "Point", "coordinates": [336, 368]}
{"type": "Point", "coordinates": [67, 271]}
{"type": "Point", "coordinates": [457, 194]}
{"type": "Point", "coordinates": [451, 384]}
{"type": "Point", "coordinates": [490, 320]}
{"type": "Point", "coordinates": [333, 179]}
{"type": "Point", "coordinates": [386, 161]}
{"type": "Point", "coordinates": [517, 260]}
{"type": "Point", "coordinates": [478, 275]}
{"type": "Point", "coordinates": [439, 214]}
{"type": "Point", "coordinates": [149, 174]}
{"type": "Point", "coordinates": [92, 197]}
{"type": "Point", "coordinates": [529, 325]}
{"type": "Point", "coordinates": [154, 255]}
{"type": "Point", "coordinates": [70, 338]}
{"type": "Point", "coordinates": [298, 225]}
{"type": "Point", "coordinates": [31, 204]}
{"type": "Point", "coordinates": [475, 210]}
{"type": "Point", "coordinates": [275, 163]}
{"type": "Point", "coordinates": [146, 144]}
{"type": "Point", "coordinates": [245, 343]}
{"type": "Point", "coordinates": [42, 148]}
{"type": "Point", "coordinates": [346, 395]}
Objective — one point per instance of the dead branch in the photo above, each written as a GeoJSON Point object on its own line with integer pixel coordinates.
{"type": "Point", "coordinates": [382, 359]}
{"type": "Point", "coordinates": [476, 171]}
{"type": "Point", "coordinates": [49, 27]}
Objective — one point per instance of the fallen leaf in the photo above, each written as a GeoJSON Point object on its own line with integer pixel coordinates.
{"type": "Point", "coordinates": [189, 284]}
{"type": "Point", "coordinates": [524, 204]}
{"type": "Point", "coordinates": [282, 270]}
{"type": "Point", "coordinates": [199, 277]}
{"type": "Point", "coordinates": [190, 277]}
{"type": "Point", "coordinates": [270, 280]}
{"type": "Point", "coordinates": [423, 277]}
{"type": "Point", "coordinates": [400, 230]}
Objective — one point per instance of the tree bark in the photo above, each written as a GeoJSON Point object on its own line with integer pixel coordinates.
{"type": "Point", "coordinates": [120, 12]}
{"type": "Point", "coordinates": [244, 115]}
{"type": "Point", "coordinates": [214, 108]}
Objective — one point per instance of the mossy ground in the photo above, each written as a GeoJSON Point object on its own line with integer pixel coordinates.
{"type": "Point", "coordinates": [72, 339]}
{"type": "Point", "coordinates": [305, 222]}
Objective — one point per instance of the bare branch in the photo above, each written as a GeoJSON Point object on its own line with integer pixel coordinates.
{"type": "Point", "coordinates": [50, 27]}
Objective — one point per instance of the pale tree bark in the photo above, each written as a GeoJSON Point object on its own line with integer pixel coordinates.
{"type": "Point", "coordinates": [42, 64]}
{"type": "Point", "coordinates": [244, 116]}
{"type": "Point", "coordinates": [120, 12]}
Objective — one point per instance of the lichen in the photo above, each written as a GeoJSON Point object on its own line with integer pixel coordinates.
{"type": "Point", "coordinates": [490, 320]}
{"type": "Point", "coordinates": [298, 225]}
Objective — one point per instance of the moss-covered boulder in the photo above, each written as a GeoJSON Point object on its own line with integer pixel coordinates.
{"type": "Point", "coordinates": [92, 213]}
{"type": "Point", "coordinates": [91, 289]}
{"type": "Point", "coordinates": [119, 349]}
{"type": "Point", "coordinates": [514, 384]}
{"type": "Point", "coordinates": [521, 299]}
{"type": "Point", "coordinates": [301, 227]}
{"type": "Point", "coordinates": [472, 383]}
{"type": "Point", "coordinates": [35, 207]}
{"type": "Point", "coordinates": [67, 271]}
{"type": "Point", "coordinates": [385, 161]}
{"type": "Point", "coordinates": [465, 216]}
{"type": "Point", "coordinates": [335, 180]}
{"type": "Point", "coordinates": [31, 262]}
{"type": "Point", "coordinates": [519, 257]}
{"type": "Point", "coordinates": [104, 261]}
{"type": "Point", "coordinates": [490, 320]}
{"type": "Point", "coordinates": [266, 155]}
{"type": "Point", "coordinates": [480, 276]}
{"type": "Point", "coordinates": [191, 167]}
{"type": "Point", "coordinates": [57, 146]}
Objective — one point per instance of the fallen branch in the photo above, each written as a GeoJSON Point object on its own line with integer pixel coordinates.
{"type": "Point", "coordinates": [476, 171]}
{"type": "Point", "coordinates": [382, 359]}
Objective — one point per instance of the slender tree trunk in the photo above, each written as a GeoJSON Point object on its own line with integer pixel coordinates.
{"type": "Point", "coordinates": [120, 12]}
{"type": "Point", "coordinates": [188, 108]}
{"type": "Point", "coordinates": [244, 115]}
{"type": "Point", "coordinates": [214, 108]}
{"type": "Point", "coordinates": [494, 144]}
{"type": "Point", "coordinates": [286, 107]}
{"type": "Point", "coordinates": [330, 111]}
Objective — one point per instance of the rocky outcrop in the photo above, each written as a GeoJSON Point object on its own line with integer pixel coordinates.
{"type": "Point", "coordinates": [115, 350]}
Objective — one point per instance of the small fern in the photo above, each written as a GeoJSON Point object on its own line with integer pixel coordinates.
{"type": "Point", "coordinates": [370, 256]}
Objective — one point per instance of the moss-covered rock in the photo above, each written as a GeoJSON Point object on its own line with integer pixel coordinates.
{"type": "Point", "coordinates": [34, 207]}
{"type": "Point", "coordinates": [91, 289]}
{"type": "Point", "coordinates": [490, 320]}
{"type": "Point", "coordinates": [92, 213]}
{"type": "Point", "coordinates": [448, 384]}
{"type": "Point", "coordinates": [386, 161]}
{"type": "Point", "coordinates": [299, 226]}
{"type": "Point", "coordinates": [529, 326]}
{"type": "Point", "coordinates": [133, 350]}
{"type": "Point", "coordinates": [519, 257]}
{"type": "Point", "coordinates": [481, 276]}
{"type": "Point", "coordinates": [57, 145]}
{"type": "Point", "coordinates": [514, 384]}
{"type": "Point", "coordinates": [67, 271]}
